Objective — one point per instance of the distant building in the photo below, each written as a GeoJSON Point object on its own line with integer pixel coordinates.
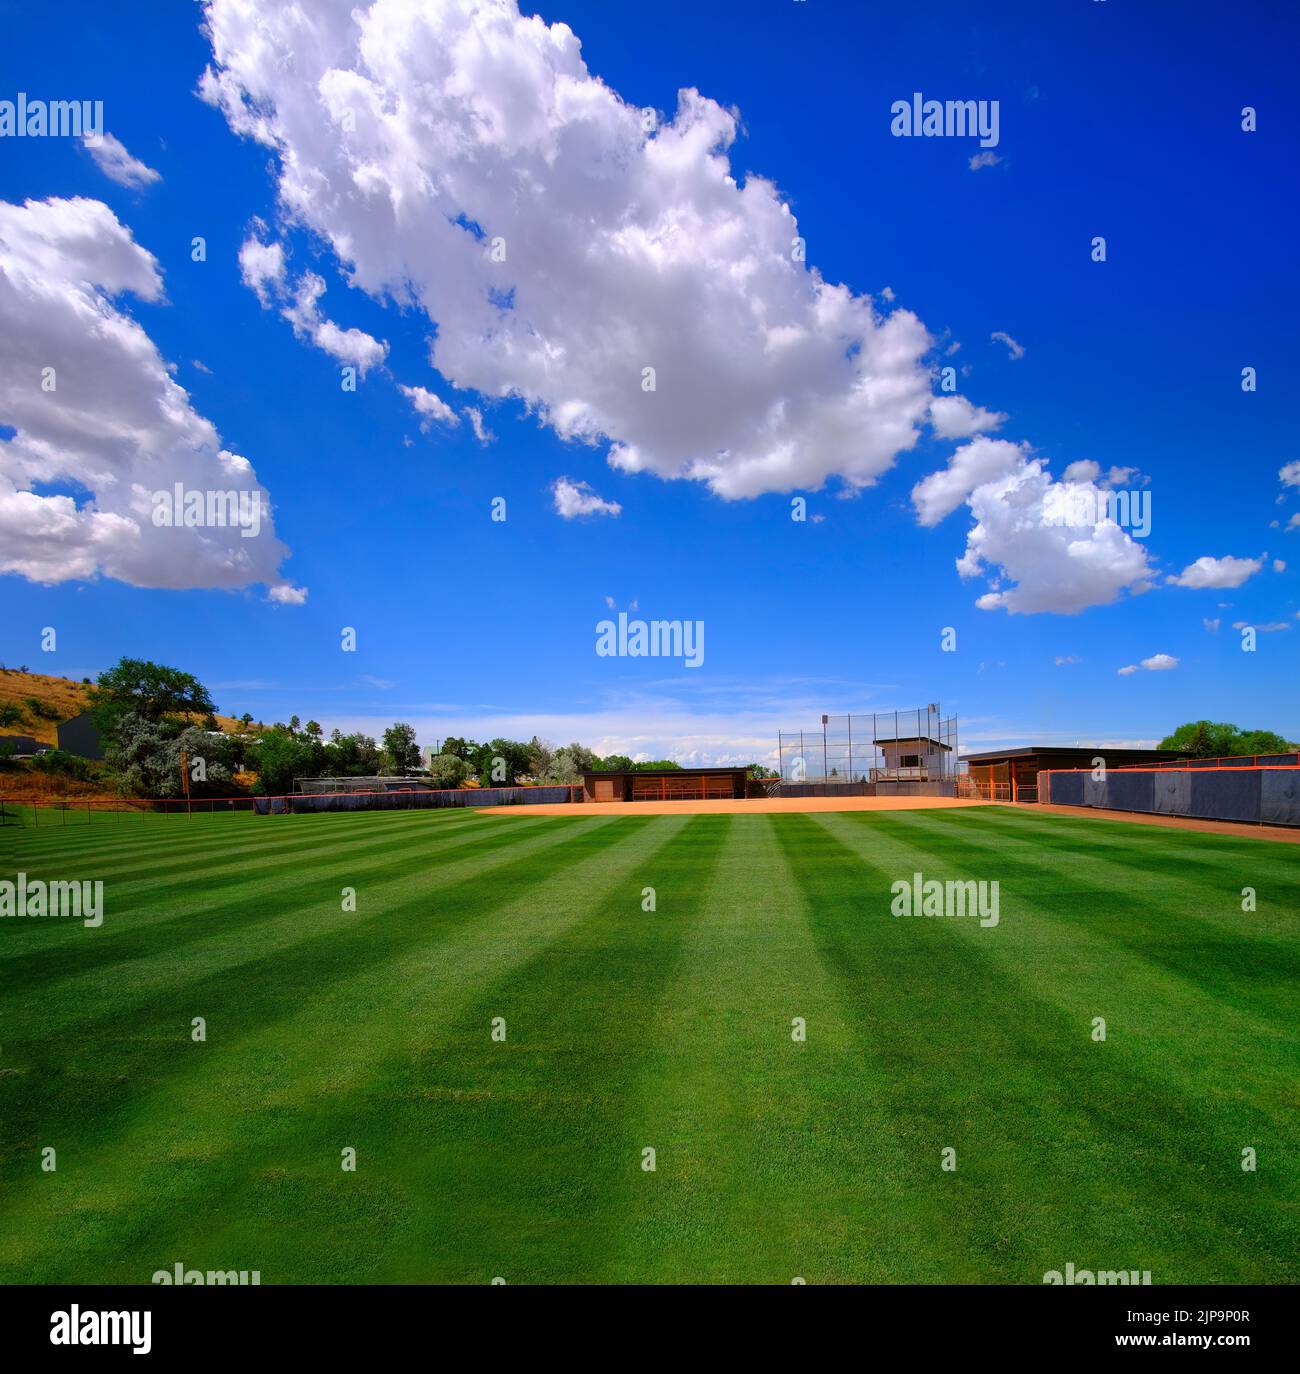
{"type": "Point", "coordinates": [663, 784]}
{"type": "Point", "coordinates": [1012, 774]}
{"type": "Point", "coordinates": [21, 746]}
{"type": "Point", "coordinates": [80, 736]}
{"type": "Point", "coordinates": [911, 758]}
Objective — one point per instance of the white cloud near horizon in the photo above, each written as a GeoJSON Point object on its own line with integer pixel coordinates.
{"type": "Point", "coordinates": [116, 427]}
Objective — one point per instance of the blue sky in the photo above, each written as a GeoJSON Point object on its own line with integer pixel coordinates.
{"type": "Point", "coordinates": [1113, 121]}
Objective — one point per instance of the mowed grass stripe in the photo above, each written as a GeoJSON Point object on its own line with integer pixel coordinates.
{"type": "Point", "coordinates": [1199, 862]}
{"type": "Point", "coordinates": [160, 945]}
{"type": "Point", "coordinates": [775, 1160]}
{"type": "Point", "coordinates": [173, 854]}
{"type": "Point", "coordinates": [1060, 1127]}
{"type": "Point", "coordinates": [1195, 931]}
{"type": "Point", "coordinates": [514, 1157]}
{"type": "Point", "coordinates": [163, 912]}
{"type": "Point", "coordinates": [216, 1121]}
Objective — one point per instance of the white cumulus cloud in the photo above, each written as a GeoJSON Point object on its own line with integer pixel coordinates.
{"type": "Point", "coordinates": [461, 158]}
{"type": "Point", "coordinates": [1216, 572]}
{"type": "Point", "coordinates": [93, 406]}
{"type": "Point", "coordinates": [1024, 533]}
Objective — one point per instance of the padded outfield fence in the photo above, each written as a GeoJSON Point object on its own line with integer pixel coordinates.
{"type": "Point", "coordinates": [75, 811]}
{"type": "Point", "coordinates": [1237, 789]}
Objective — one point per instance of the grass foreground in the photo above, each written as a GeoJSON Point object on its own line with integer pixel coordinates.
{"type": "Point", "coordinates": [379, 1030]}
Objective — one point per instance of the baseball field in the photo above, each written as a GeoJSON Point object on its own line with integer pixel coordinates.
{"type": "Point", "coordinates": [454, 1047]}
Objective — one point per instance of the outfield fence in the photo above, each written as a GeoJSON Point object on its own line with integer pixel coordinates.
{"type": "Point", "coordinates": [1267, 794]}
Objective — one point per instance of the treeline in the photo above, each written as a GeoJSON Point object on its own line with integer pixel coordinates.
{"type": "Point", "coordinates": [1208, 739]}
{"type": "Point", "coordinates": [159, 728]}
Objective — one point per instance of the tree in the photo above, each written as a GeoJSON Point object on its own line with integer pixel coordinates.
{"type": "Point", "coordinates": [144, 756]}
{"type": "Point", "coordinates": [616, 763]}
{"type": "Point", "coordinates": [278, 756]}
{"type": "Point", "coordinates": [1204, 739]}
{"type": "Point", "coordinates": [313, 729]}
{"type": "Point", "coordinates": [401, 752]}
{"type": "Point", "coordinates": [294, 724]}
{"type": "Point", "coordinates": [459, 748]}
{"type": "Point", "coordinates": [540, 754]}
{"type": "Point", "coordinates": [246, 719]}
{"type": "Point", "coordinates": [501, 761]}
{"type": "Point", "coordinates": [569, 764]}
{"type": "Point", "coordinates": [351, 756]}
{"type": "Point", "coordinates": [447, 770]}
{"type": "Point", "coordinates": [151, 690]}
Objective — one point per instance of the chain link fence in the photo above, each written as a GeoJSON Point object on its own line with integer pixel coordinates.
{"type": "Point", "coordinates": [914, 746]}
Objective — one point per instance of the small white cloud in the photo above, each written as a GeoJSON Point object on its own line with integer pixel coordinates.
{"type": "Point", "coordinates": [481, 432]}
{"type": "Point", "coordinates": [1216, 572]}
{"type": "Point", "coordinates": [286, 595]}
{"type": "Point", "coordinates": [1212, 625]}
{"type": "Point", "coordinates": [429, 407]}
{"type": "Point", "coordinates": [985, 159]}
{"type": "Point", "coordinates": [1085, 470]}
{"type": "Point", "coordinates": [1290, 474]}
{"type": "Point", "coordinates": [118, 165]}
{"type": "Point", "coordinates": [954, 417]}
{"type": "Point", "coordinates": [577, 498]}
{"type": "Point", "coordinates": [887, 294]}
{"type": "Point", "coordinates": [1271, 628]}
{"type": "Point", "coordinates": [353, 346]}
{"type": "Point", "coordinates": [611, 603]}
{"type": "Point", "coordinates": [261, 268]}
{"type": "Point", "coordinates": [1157, 663]}
{"type": "Point", "coordinates": [1279, 565]}
{"type": "Point", "coordinates": [202, 367]}
{"type": "Point", "coordinates": [971, 466]}
{"type": "Point", "coordinates": [1062, 659]}
{"type": "Point", "coordinates": [1013, 348]}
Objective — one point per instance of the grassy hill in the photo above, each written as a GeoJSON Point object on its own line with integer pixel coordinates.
{"type": "Point", "coordinates": [56, 698]}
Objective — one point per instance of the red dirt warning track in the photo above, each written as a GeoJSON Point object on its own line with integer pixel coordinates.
{"type": "Point", "coordinates": [728, 805]}
{"type": "Point", "coordinates": [760, 805]}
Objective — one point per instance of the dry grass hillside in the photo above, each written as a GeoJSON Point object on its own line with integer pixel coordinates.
{"type": "Point", "coordinates": [58, 698]}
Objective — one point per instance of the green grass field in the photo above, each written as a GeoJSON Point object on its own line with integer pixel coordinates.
{"type": "Point", "coordinates": [522, 1159]}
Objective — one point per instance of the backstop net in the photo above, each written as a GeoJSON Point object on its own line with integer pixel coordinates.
{"type": "Point", "coordinates": [871, 747]}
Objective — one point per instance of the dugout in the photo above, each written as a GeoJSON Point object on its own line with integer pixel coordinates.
{"type": "Point", "coordinates": [663, 784]}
